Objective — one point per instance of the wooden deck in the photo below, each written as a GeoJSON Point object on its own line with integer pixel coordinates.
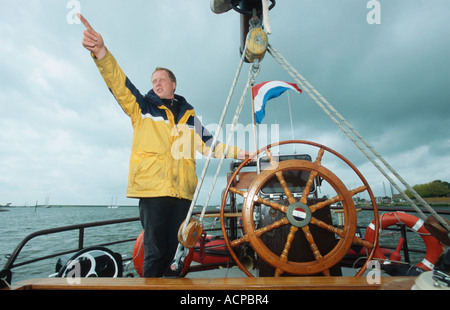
{"type": "Point", "coordinates": [282, 283]}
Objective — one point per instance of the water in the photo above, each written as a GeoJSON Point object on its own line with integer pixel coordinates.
{"type": "Point", "coordinates": [18, 223]}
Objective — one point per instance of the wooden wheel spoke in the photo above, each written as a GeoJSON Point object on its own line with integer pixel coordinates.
{"type": "Point", "coordinates": [315, 249]}
{"type": "Point", "coordinates": [363, 242]}
{"type": "Point", "coordinates": [328, 227]}
{"type": "Point", "coordinates": [325, 203]}
{"type": "Point", "coordinates": [239, 241]}
{"type": "Point", "coordinates": [263, 201]}
{"type": "Point", "coordinates": [271, 204]}
{"type": "Point", "coordinates": [261, 231]}
{"type": "Point", "coordinates": [285, 187]}
{"type": "Point", "coordinates": [308, 186]}
{"type": "Point", "coordinates": [279, 223]}
{"type": "Point", "coordinates": [358, 190]}
{"type": "Point", "coordinates": [237, 191]}
{"type": "Point", "coordinates": [318, 160]}
{"type": "Point", "coordinates": [312, 176]}
{"type": "Point", "coordinates": [280, 178]}
{"type": "Point", "coordinates": [272, 161]}
{"type": "Point", "coordinates": [287, 246]}
{"type": "Point", "coordinates": [278, 272]}
{"type": "Point", "coordinates": [312, 244]}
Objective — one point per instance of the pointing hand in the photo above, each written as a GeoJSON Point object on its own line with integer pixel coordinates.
{"type": "Point", "coordinates": [92, 40]}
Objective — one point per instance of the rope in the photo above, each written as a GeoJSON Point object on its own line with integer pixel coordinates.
{"type": "Point", "coordinates": [265, 4]}
{"type": "Point", "coordinates": [292, 122]}
{"type": "Point", "coordinates": [254, 71]}
{"type": "Point", "coordinates": [340, 122]}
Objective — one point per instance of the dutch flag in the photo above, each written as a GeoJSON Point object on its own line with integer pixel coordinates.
{"type": "Point", "coordinates": [266, 91]}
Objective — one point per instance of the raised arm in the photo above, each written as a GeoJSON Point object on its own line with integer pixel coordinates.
{"type": "Point", "coordinates": [126, 94]}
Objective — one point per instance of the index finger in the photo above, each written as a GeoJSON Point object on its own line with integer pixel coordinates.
{"type": "Point", "coordinates": [84, 21]}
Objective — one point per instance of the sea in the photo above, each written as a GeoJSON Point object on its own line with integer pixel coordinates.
{"type": "Point", "coordinates": [17, 223]}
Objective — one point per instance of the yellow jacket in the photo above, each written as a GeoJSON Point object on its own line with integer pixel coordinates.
{"type": "Point", "coordinates": [162, 159]}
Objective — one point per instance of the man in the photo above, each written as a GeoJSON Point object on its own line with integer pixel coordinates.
{"type": "Point", "coordinates": [162, 164]}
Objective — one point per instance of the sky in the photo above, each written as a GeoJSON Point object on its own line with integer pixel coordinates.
{"type": "Point", "coordinates": [65, 140]}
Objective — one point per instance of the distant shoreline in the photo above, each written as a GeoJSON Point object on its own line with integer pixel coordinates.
{"type": "Point", "coordinates": [405, 205]}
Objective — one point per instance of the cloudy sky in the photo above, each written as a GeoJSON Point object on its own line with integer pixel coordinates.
{"type": "Point", "coordinates": [63, 136]}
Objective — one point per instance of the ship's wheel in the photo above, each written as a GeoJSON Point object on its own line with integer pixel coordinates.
{"type": "Point", "coordinates": [299, 214]}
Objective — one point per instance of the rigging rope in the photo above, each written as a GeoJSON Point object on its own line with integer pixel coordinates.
{"type": "Point", "coordinates": [266, 19]}
{"type": "Point", "coordinates": [253, 73]}
{"type": "Point", "coordinates": [340, 122]}
{"type": "Point", "coordinates": [292, 122]}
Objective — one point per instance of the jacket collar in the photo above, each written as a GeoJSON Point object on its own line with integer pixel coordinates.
{"type": "Point", "coordinates": [154, 99]}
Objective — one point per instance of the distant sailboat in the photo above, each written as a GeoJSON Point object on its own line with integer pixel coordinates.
{"type": "Point", "coordinates": [47, 202]}
{"type": "Point", "coordinates": [113, 205]}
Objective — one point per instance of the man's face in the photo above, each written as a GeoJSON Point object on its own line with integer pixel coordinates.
{"type": "Point", "coordinates": [163, 87]}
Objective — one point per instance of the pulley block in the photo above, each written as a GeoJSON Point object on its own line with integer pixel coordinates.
{"type": "Point", "coordinates": [257, 43]}
{"type": "Point", "coordinates": [191, 234]}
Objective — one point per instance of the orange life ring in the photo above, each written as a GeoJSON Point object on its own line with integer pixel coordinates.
{"type": "Point", "coordinates": [433, 246]}
{"type": "Point", "coordinates": [138, 256]}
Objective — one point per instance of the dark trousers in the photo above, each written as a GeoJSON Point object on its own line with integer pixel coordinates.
{"type": "Point", "coordinates": [161, 218]}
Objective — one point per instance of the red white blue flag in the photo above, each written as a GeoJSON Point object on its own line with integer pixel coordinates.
{"type": "Point", "coordinates": [266, 91]}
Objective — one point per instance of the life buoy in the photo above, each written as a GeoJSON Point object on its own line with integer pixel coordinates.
{"type": "Point", "coordinates": [433, 247]}
{"type": "Point", "coordinates": [138, 256]}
